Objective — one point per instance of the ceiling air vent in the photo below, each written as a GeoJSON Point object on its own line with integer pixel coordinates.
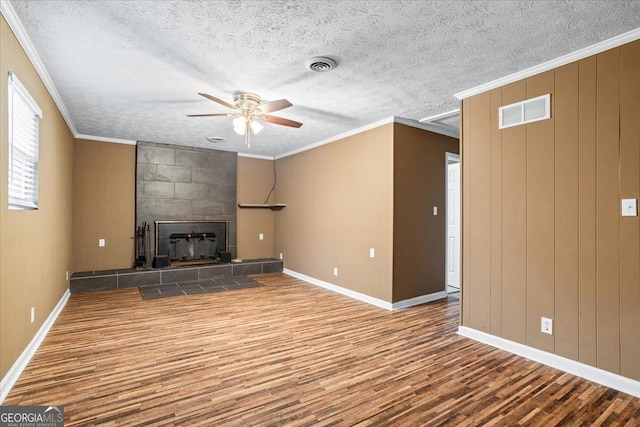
{"type": "Point", "coordinates": [320, 64]}
{"type": "Point", "coordinates": [530, 110]}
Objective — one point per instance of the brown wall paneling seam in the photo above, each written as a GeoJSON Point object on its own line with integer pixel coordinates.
{"type": "Point", "coordinates": [514, 255]}
{"type": "Point", "coordinates": [496, 216]}
{"type": "Point", "coordinates": [566, 211]}
{"type": "Point", "coordinates": [587, 201]}
{"type": "Point", "coordinates": [540, 234]}
{"type": "Point", "coordinates": [608, 211]}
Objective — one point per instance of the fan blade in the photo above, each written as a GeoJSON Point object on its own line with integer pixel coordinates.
{"type": "Point", "coordinates": [279, 121]}
{"type": "Point", "coordinates": [219, 101]}
{"type": "Point", "coordinates": [211, 115]}
{"type": "Point", "coordinates": [271, 106]}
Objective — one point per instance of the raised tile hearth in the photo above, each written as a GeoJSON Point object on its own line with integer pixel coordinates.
{"type": "Point", "coordinates": [197, 287]}
{"type": "Point", "coordinates": [132, 278]}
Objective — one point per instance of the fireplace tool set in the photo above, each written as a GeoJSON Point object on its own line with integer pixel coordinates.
{"type": "Point", "coordinates": [143, 242]}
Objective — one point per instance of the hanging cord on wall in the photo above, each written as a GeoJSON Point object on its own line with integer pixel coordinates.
{"type": "Point", "coordinates": [274, 182]}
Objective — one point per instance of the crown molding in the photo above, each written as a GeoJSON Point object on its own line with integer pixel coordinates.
{"type": "Point", "coordinates": [335, 138]}
{"type": "Point", "coordinates": [440, 116]}
{"type": "Point", "coordinates": [23, 38]}
{"type": "Point", "coordinates": [256, 156]}
{"type": "Point", "coordinates": [431, 127]}
{"type": "Point", "coordinates": [611, 43]}
{"type": "Point", "coordinates": [105, 139]}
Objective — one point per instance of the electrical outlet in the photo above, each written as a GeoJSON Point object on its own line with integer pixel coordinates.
{"type": "Point", "coordinates": [261, 236]}
{"type": "Point", "coordinates": [33, 314]}
{"type": "Point", "coordinates": [546, 326]}
{"type": "Point", "coordinates": [435, 210]}
{"type": "Point", "coordinates": [66, 275]}
{"type": "Point", "coordinates": [335, 271]}
{"type": "Point", "coordinates": [280, 255]}
{"type": "Point", "coordinates": [101, 243]}
{"type": "Point", "coordinates": [372, 253]}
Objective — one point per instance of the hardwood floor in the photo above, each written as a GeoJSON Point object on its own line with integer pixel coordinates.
{"type": "Point", "coordinates": [289, 353]}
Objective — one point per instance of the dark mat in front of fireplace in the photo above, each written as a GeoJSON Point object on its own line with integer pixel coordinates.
{"type": "Point", "coordinates": [197, 287]}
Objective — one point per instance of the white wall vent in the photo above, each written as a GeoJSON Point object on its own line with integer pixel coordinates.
{"type": "Point", "coordinates": [530, 110]}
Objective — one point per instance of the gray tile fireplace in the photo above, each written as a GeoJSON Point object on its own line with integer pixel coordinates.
{"type": "Point", "coordinates": [189, 186]}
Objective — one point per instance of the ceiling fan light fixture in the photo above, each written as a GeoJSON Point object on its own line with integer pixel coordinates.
{"type": "Point", "coordinates": [256, 127]}
{"type": "Point", "coordinates": [249, 109]}
{"type": "Point", "coordinates": [320, 64]}
{"type": "Point", "coordinates": [239, 125]}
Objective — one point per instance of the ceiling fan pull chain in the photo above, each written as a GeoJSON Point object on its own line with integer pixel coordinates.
{"type": "Point", "coordinates": [247, 131]}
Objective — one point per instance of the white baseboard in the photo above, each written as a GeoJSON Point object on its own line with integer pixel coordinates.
{"type": "Point", "coordinates": [590, 373]}
{"type": "Point", "coordinates": [16, 370]}
{"type": "Point", "coordinates": [406, 303]}
{"type": "Point", "coordinates": [366, 298]}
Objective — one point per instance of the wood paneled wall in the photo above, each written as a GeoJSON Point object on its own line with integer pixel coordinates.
{"type": "Point", "coordinates": [103, 205]}
{"type": "Point", "coordinates": [36, 245]}
{"type": "Point", "coordinates": [542, 228]}
{"type": "Point", "coordinates": [339, 204]}
{"type": "Point", "coordinates": [255, 180]}
{"type": "Point", "coordinates": [419, 237]}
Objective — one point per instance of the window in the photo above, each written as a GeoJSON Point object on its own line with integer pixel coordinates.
{"type": "Point", "coordinates": [24, 121]}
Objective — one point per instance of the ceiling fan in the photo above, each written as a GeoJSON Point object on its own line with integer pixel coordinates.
{"type": "Point", "coordinates": [249, 111]}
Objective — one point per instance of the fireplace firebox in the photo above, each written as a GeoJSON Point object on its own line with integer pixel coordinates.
{"type": "Point", "coordinates": [191, 242]}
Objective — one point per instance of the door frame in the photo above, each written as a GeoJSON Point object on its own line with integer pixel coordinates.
{"type": "Point", "coordinates": [451, 158]}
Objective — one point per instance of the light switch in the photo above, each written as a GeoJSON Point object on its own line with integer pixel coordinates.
{"type": "Point", "coordinates": [435, 210]}
{"type": "Point", "coordinates": [629, 207]}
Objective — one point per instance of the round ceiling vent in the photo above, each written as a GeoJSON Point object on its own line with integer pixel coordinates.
{"type": "Point", "coordinates": [320, 64]}
{"type": "Point", "coordinates": [215, 139]}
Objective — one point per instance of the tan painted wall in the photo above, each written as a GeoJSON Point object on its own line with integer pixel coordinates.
{"type": "Point", "coordinates": [419, 237]}
{"type": "Point", "coordinates": [255, 180]}
{"type": "Point", "coordinates": [35, 246]}
{"type": "Point", "coordinates": [339, 204]}
{"type": "Point", "coordinates": [103, 205]}
{"type": "Point", "coordinates": [543, 235]}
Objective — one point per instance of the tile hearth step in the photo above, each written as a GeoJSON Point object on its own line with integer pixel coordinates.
{"type": "Point", "coordinates": [197, 287]}
{"type": "Point", "coordinates": [131, 278]}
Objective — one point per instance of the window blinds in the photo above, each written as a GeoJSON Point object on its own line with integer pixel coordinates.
{"type": "Point", "coordinates": [24, 120]}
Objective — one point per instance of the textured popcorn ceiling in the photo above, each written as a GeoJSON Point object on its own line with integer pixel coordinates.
{"type": "Point", "coordinates": [132, 69]}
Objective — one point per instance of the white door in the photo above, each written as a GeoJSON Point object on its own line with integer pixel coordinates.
{"type": "Point", "coordinates": [453, 227]}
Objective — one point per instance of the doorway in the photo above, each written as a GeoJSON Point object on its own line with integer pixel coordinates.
{"type": "Point", "coordinates": [452, 199]}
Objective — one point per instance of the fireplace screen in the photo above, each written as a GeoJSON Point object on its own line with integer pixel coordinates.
{"type": "Point", "coordinates": [191, 240]}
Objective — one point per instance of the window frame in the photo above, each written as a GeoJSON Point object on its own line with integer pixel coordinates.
{"type": "Point", "coordinates": [16, 92]}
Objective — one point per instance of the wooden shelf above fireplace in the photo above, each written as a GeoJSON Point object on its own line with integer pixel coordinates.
{"type": "Point", "coordinates": [272, 206]}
